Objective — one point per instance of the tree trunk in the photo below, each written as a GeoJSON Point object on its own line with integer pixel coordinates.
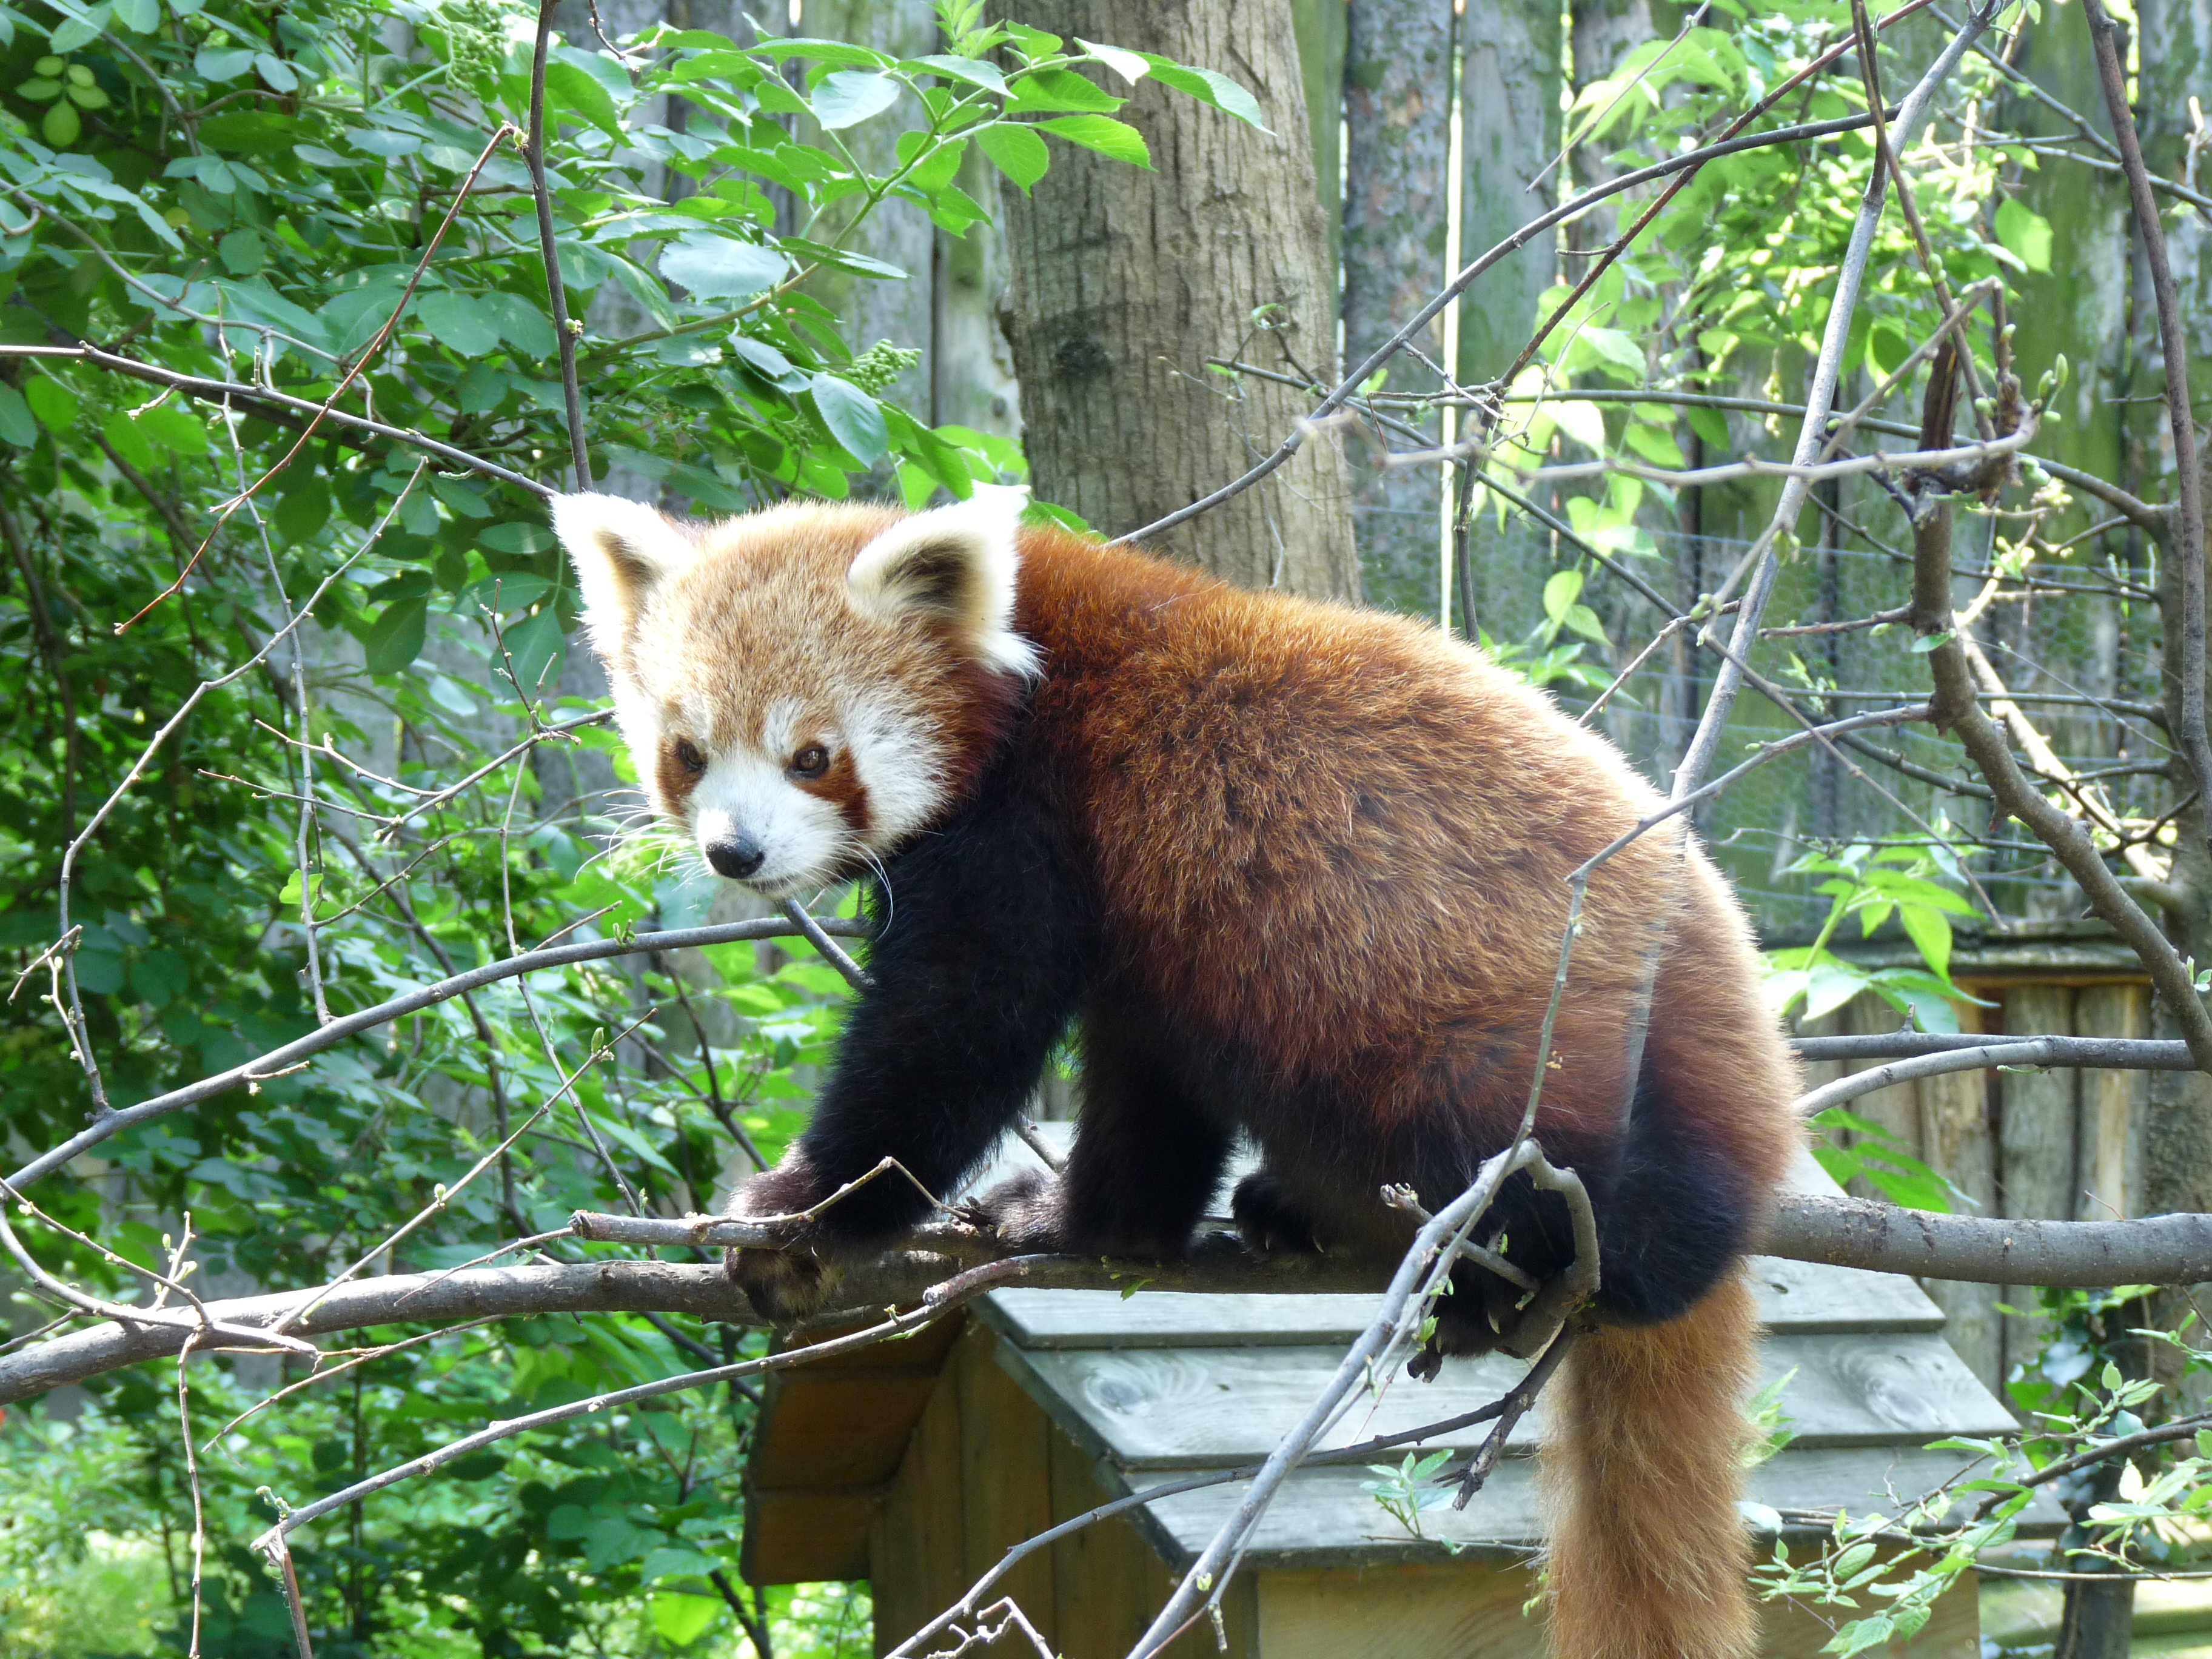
{"type": "Point", "coordinates": [1124, 282]}
{"type": "Point", "coordinates": [1509, 131]}
{"type": "Point", "coordinates": [898, 232]}
{"type": "Point", "coordinates": [1397, 207]}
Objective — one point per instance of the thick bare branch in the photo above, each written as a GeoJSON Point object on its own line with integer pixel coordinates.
{"type": "Point", "coordinates": [1844, 1232]}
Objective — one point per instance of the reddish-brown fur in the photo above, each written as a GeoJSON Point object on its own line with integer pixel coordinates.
{"type": "Point", "coordinates": [1318, 858]}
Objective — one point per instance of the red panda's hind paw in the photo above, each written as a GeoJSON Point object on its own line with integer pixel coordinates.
{"type": "Point", "coordinates": [1272, 1221]}
{"type": "Point", "coordinates": [1023, 1212]}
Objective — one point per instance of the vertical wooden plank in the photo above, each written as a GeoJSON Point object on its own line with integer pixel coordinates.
{"type": "Point", "coordinates": [1895, 1109]}
{"type": "Point", "coordinates": [1398, 188]}
{"type": "Point", "coordinates": [1100, 1586]}
{"type": "Point", "coordinates": [2108, 1151]}
{"type": "Point", "coordinates": [1956, 1142]}
{"type": "Point", "coordinates": [917, 1548]}
{"type": "Point", "coordinates": [1006, 1475]}
{"type": "Point", "coordinates": [1399, 1612]}
{"type": "Point", "coordinates": [2035, 1142]}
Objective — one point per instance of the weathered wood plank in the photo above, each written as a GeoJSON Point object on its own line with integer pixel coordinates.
{"type": "Point", "coordinates": [796, 1537]}
{"type": "Point", "coordinates": [848, 1430]}
{"type": "Point", "coordinates": [1177, 1407]}
{"type": "Point", "coordinates": [1438, 1612]}
{"type": "Point", "coordinates": [1896, 1109]}
{"type": "Point", "coordinates": [2035, 1142]}
{"type": "Point", "coordinates": [1955, 1139]}
{"type": "Point", "coordinates": [1475, 1613]}
{"type": "Point", "coordinates": [917, 1545]}
{"type": "Point", "coordinates": [1006, 1473]}
{"type": "Point", "coordinates": [2108, 1150]}
{"type": "Point", "coordinates": [1321, 1518]}
{"type": "Point", "coordinates": [1800, 1297]}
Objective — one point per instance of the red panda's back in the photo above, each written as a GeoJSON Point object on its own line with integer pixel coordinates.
{"type": "Point", "coordinates": [1340, 839]}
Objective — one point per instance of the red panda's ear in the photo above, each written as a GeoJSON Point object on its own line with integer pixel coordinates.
{"type": "Point", "coordinates": [620, 550]}
{"type": "Point", "coordinates": [956, 565]}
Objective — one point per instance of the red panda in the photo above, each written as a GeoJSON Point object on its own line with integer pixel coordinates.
{"type": "Point", "coordinates": [1290, 870]}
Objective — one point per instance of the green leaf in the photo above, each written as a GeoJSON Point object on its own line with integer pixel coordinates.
{"type": "Point", "coordinates": [520, 323]}
{"type": "Point", "coordinates": [682, 1619]}
{"type": "Point", "coordinates": [2024, 233]}
{"type": "Point", "coordinates": [1059, 91]}
{"type": "Point", "coordinates": [243, 252]}
{"type": "Point", "coordinates": [973, 70]}
{"type": "Point", "coordinates": [175, 428]}
{"type": "Point", "coordinates": [676, 1563]}
{"type": "Point", "coordinates": [575, 90]}
{"type": "Point", "coordinates": [395, 639]}
{"type": "Point", "coordinates": [74, 32]}
{"type": "Point", "coordinates": [1208, 88]}
{"type": "Point", "coordinates": [127, 440]}
{"type": "Point", "coordinates": [1130, 66]}
{"type": "Point", "coordinates": [853, 418]}
{"type": "Point", "coordinates": [1561, 592]}
{"type": "Point", "coordinates": [459, 321]}
{"type": "Point", "coordinates": [139, 16]}
{"type": "Point", "coordinates": [1710, 425]}
{"type": "Point", "coordinates": [1654, 443]}
{"type": "Point", "coordinates": [535, 646]}
{"type": "Point", "coordinates": [848, 97]}
{"type": "Point", "coordinates": [54, 404]}
{"type": "Point", "coordinates": [1116, 140]}
{"type": "Point", "coordinates": [1015, 151]}
{"type": "Point", "coordinates": [722, 268]}
{"type": "Point", "coordinates": [17, 426]}
{"type": "Point", "coordinates": [61, 125]}
{"type": "Point", "coordinates": [218, 64]}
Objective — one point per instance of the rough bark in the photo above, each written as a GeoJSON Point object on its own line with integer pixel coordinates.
{"type": "Point", "coordinates": [1397, 205]}
{"type": "Point", "coordinates": [1124, 282]}
{"type": "Point", "coordinates": [1508, 133]}
{"type": "Point", "coordinates": [898, 232]}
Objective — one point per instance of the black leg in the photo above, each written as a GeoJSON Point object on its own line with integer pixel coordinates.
{"type": "Point", "coordinates": [983, 954]}
{"type": "Point", "coordinates": [1145, 1160]}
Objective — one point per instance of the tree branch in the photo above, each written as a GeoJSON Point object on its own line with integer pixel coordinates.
{"type": "Point", "coordinates": [2171, 1250]}
{"type": "Point", "coordinates": [383, 1013]}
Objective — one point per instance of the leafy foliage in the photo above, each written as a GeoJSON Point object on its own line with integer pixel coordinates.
{"type": "Point", "coordinates": [328, 204]}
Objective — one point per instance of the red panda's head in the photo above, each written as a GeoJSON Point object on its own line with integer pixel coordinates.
{"type": "Point", "coordinates": [803, 688]}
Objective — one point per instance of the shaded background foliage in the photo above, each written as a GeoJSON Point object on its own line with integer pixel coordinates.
{"type": "Point", "coordinates": [245, 192]}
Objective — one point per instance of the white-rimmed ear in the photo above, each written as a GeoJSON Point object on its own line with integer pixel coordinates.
{"type": "Point", "coordinates": [620, 550]}
{"type": "Point", "coordinates": [957, 564]}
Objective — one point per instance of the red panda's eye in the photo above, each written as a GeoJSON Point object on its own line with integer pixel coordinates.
{"type": "Point", "coordinates": [811, 762]}
{"type": "Point", "coordinates": [688, 758]}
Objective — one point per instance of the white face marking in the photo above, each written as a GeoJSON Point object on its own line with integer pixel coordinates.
{"type": "Point", "coordinates": [896, 757]}
{"type": "Point", "coordinates": [747, 797]}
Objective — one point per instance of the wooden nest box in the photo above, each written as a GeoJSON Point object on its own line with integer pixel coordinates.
{"type": "Point", "coordinates": [916, 1464]}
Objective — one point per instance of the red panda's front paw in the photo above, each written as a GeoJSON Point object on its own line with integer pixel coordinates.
{"type": "Point", "coordinates": [1021, 1212]}
{"type": "Point", "coordinates": [785, 1286]}
{"type": "Point", "coordinates": [1270, 1220]}
{"type": "Point", "coordinates": [787, 1283]}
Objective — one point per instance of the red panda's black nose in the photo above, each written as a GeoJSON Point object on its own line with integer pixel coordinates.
{"type": "Point", "coordinates": [736, 857]}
